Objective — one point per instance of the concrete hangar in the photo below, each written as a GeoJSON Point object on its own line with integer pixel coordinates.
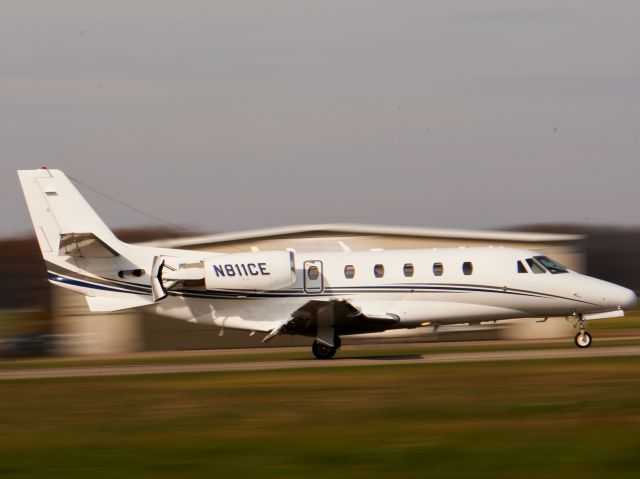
{"type": "Point", "coordinates": [81, 332]}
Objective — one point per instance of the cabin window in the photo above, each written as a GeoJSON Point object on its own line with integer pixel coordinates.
{"type": "Point", "coordinates": [408, 270]}
{"type": "Point", "coordinates": [535, 267]}
{"type": "Point", "coordinates": [467, 268]}
{"type": "Point", "coordinates": [378, 271]}
{"type": "Point", "coordinates": [313, 273]}
{"type": "Point", "coordinates": [552, 266]}
{"type": "Point", "coordinates": [521, 268]}
{"type": "Point", "coordinates": [438, 269]}
{"type": "Point", "coordinates": [349, 271]}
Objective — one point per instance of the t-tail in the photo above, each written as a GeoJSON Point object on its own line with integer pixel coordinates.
{"type": "Point", "coordinates": [81, 253]}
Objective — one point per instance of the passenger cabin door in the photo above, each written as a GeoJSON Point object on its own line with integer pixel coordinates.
{"type": "Point", "coordinates": [313, 280]}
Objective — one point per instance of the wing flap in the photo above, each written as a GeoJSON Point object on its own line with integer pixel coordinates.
{"type": "Point", "coordinates": [234, 322]}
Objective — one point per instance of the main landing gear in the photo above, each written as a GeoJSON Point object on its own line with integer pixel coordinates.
{"type": "Point", "coordinates": [583, 338]}
{"type": "Point", "coordinates": [323, 351]}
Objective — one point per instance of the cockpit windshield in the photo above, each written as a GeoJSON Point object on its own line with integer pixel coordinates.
{"type": "Point", "coordinates": [536, 267]}
{"type": "Point", "coordinates": [552, 266]}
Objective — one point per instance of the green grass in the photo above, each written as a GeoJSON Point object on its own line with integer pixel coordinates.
{"type": "Point", "coordinates": [551, 419]}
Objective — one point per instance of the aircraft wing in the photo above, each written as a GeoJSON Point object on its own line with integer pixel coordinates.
{"type": "Point", "coordinates": [339, 315]}
{"type": "Point", "coordinates": [342, 315]}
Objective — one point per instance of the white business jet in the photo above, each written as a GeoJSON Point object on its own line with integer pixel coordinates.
{"type": "Point", "coordinates": [323, 295]}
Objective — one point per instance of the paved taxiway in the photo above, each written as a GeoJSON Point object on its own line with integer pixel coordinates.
{"type": "Point", "coordinates": [346, 361]}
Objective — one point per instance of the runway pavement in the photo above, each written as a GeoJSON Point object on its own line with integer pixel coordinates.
{"type": "Point", "coordinates": [349, 359]}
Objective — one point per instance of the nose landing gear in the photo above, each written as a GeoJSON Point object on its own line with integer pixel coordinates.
{"type": "Point", "coordinates": [583, 339]}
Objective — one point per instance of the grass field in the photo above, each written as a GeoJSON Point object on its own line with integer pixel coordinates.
{"type": "Point", "coordinates": [564, 419]}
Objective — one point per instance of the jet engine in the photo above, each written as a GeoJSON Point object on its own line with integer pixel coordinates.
{"type": "Point", "coordinates": [255, 271]}
{"type": "Point", "coordinates": [259, 271]}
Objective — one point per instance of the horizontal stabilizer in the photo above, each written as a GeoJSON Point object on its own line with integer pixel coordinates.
{"type": "Point", "coordinates": [99, 304]}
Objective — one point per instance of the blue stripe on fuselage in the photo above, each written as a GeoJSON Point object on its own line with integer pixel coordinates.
{"type": "Point", "coordinates": [84, 284]}
{"type": "Point", "coordinates": [328, 292]}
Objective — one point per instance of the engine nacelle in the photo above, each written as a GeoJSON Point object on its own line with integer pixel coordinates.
{"type": "Point", "coordinates": [259, 271]}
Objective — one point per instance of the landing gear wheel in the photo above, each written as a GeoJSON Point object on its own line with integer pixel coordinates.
{"type": "Point", "coordinates": [583, 339]}
{"type": "Point", "coordinates": [322, 351]}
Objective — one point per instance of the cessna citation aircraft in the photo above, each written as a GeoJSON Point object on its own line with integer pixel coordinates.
{"type": "Point", "coordinates": [323, 295]}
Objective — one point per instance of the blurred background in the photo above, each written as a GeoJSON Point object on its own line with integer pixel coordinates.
{"type": "Point", "coordinates": [225, 116]}
{"type": "Point", "coordinates": [214, 117]}
{"type": "Point", "coordinates": [376, 124]}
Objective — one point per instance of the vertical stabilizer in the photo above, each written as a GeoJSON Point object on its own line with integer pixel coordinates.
{"type": "Point", "coordinates": [58, 211]}
{"type": "Point", "coordinates": [80, 251]}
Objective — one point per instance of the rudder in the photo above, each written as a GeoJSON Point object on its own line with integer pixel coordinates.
{"type": "Point", "coordinates": [59, 212]}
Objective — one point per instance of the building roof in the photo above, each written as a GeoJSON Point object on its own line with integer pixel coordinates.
{"type": "Point", "coordinates": [343, 229]}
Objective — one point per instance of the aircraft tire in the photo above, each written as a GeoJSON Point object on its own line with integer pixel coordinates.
{"type": "Point", "coordinates": [322, 351]}
{"type": "Point", "coordinates": [583, 339]}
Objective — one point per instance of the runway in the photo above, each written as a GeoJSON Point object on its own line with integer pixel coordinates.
{"type": "Point", "coordinates": [349, 360]}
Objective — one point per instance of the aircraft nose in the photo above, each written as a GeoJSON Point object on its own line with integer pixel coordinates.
{"type": "Point", "coordinates": [622, 298]}
{"type": "Point", "coordinates": [628, 299]}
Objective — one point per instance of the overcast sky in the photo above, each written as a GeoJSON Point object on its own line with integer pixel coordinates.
{"type": "Point", "coordinates": [227, 115]}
